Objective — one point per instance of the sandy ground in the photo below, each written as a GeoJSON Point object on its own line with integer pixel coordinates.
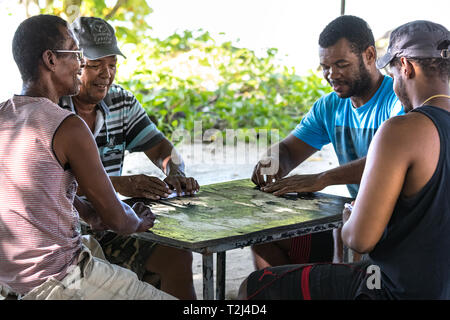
{"type": "Point", "coordinates": [209, 164]}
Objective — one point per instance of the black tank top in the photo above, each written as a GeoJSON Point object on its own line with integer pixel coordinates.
{"type": "Point", "coordinates": [414, 252]}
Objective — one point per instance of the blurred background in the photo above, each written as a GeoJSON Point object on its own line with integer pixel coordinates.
{"type": "Point", "coordinates": [247, 65]}
{"type": "Point", "coordinates": [230, 64]}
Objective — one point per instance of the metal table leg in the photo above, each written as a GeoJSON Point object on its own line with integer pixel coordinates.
{"type": "Point", "coordinates": [348, 255]}
{"type": "Point", "coordinates": [220, 277]}
{"type": "Point", "coordinates": [208, 283]}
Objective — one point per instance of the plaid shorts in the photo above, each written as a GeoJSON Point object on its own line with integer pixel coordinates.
{"type": "Point", "coordinates": [125, 251]}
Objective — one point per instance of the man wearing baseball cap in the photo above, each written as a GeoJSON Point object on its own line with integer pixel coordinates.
{"type": "Point", "coordinates": [119, 123]}
{"type": "Point", "coordinates": [401, 214]}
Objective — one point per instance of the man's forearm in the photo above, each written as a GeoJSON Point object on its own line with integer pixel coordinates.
{"type": "Point", "coordinates": [166, 158]}
{"type": "Point", "coordinates": [349, 173]}
{"type": "Point", "coordinates": [280, 152]}
{"type": "Point", "coordinates": [174, 169]}
{"type": "Point", "coordinates": [131, 221]}
{"type": "Point", "coordinates": [173, 164]}
{"type": "Point", "coordinates": [85, 210]}
{"type": "Point", "coordinates": [118, 182]}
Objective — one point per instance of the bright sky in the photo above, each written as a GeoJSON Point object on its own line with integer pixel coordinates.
{"type": "Point", "coordinates": [292, 26]}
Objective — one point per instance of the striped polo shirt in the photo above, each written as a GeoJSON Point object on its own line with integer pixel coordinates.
{"type": "Point", "coordinates": [122, 124]}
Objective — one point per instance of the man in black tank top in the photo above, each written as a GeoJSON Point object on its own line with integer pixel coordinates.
{"type": "Point", "coordinates": [401, 216]}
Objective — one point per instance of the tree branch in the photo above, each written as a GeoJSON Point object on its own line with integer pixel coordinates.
{"type": "Point", "coordinates": [113, 11]}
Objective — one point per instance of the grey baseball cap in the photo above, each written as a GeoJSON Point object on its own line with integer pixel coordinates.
{"type": "Point", "coordinates": [417, 39]}
{"type": "Point", "coordinates": [96, 37]}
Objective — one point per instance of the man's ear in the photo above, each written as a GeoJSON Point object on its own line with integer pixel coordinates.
{"type": "Point", "coordinates": [48, 58]}
{"type": "Point", "coordinates": [408, 68]}
{"type": "Point", "coordinates": [370, 55]}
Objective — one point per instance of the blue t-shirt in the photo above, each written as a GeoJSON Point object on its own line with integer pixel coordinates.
{"type": "Point", "coordinates": [350, 130]}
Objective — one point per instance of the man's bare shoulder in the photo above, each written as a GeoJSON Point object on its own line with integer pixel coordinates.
{"type": "Point", "coordinates": [73, 132]}
{"type": "Point", "coordinates": [72, 125]}
{"type": "Point", "coordinates": [407, 131]}
{"type": "Point", "coordinates": [408, 124]}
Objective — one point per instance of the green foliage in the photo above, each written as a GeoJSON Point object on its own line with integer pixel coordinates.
{"type": "Point", "coordinates": [190, 77]}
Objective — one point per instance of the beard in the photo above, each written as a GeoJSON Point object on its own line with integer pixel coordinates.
{"type": "Point", "coordinates": [359, 85]}
{"type": "Point", "coordinates": [400, 91]}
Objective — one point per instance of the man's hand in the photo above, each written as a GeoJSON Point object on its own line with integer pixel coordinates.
{"type": "Point", "coordinates": [268, 167]}
{"type": "Point", "coordinates": [347, 212]}
{"type": "Point", "coordinates": [141, 186]}
{"type": "Point", "coordinates": [146, 216]}
{"type": "Point", "coordinates": [181, 183]}
{"type": "Point", "coordinates": [338, 244]}
{"type": "Point", "coordinates": [295, 183]}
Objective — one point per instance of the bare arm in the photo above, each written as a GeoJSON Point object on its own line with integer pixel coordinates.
{"type": "Point", "coordinates": [141, 185]}
{"type": "Point", "coordinates": [86, 211]}
{"type": "Point", "coordinates": [280, 159]}
{"type": "Point", "coordinates": [388, 161]}
{"type": "Point", "coordinates": [165, 157]}
{"type": "Point", "coordinates": [294, 151]}
{"type": "Point", "coordinates": [346, 174]}
{"type": "Point", "coordinates": [74, 145]}
{"type": "Point", "coordinates": [349, 173]}
{"type": "Point", "coordinates": [160, 152]}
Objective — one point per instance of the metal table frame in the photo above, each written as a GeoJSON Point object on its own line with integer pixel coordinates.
{"type": "Point", "coordinates": [220, 246]}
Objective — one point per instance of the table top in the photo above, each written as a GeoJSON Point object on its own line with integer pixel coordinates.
{"type": "Point", "coordinates": [236, 214]}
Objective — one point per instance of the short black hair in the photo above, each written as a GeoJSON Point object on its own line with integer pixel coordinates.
{"type": "Point", "coordinates": [354, 29]}
{"type": "Point", "coordinates": [33, 36]}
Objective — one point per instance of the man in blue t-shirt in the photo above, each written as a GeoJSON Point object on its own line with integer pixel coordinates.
{"type": "Point", "coordinates": [401, 214]}
{"type": "Point", "coordinates": [348, 118]}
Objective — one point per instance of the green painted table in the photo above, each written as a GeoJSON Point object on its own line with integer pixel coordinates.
{"type": "Point", "coordinates": [235, 214]}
